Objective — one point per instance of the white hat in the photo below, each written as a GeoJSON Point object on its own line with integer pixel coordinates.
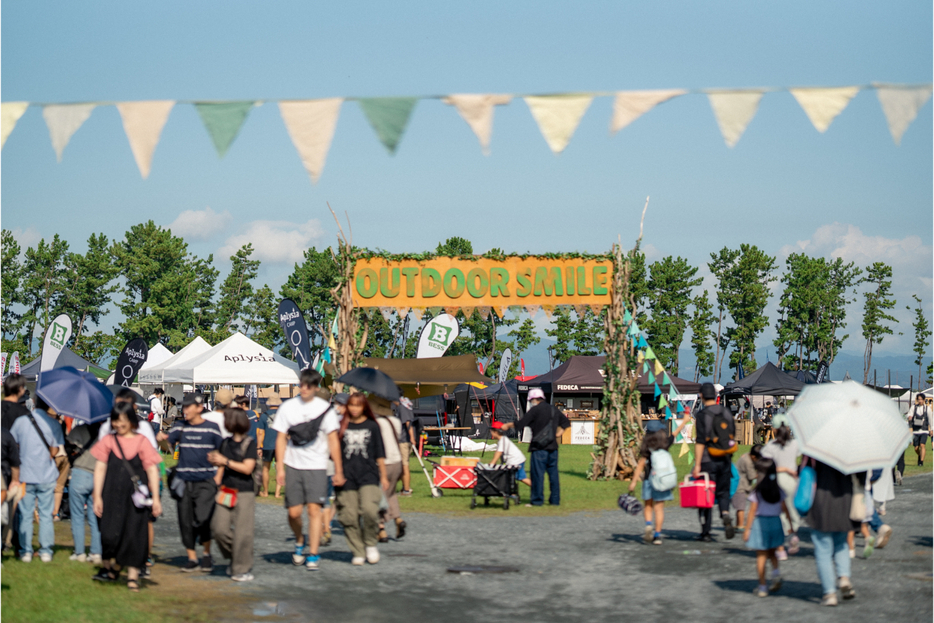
{"type": "Point", "coordinates": [536, 393]}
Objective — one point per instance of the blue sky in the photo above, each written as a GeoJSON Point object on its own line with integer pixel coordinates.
{"type": "Point", "coordinates": [849, 192]}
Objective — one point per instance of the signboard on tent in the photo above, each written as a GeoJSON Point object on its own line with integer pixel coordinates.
{"type": "Point", "coordinates": [131, 359]}
{"type": "Point", "coordinates": [437, 336]}
{"type": "Point", "coordinates": [55, 337]}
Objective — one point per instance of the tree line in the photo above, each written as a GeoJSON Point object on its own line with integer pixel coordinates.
{"type": "Point", "coordinates": [167, 294]}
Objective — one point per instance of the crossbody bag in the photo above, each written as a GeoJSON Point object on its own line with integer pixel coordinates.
{"type": "Point", "coordinates": [141, 496]}
{"type": "Point", "coordinates": [52, 451]}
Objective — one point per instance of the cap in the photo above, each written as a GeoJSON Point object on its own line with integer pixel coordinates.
{"type": "Point", "coordinates": [223, 397]}
{"type": "Point", "coordinates": [654, 426]}
{"type": "Point", "coordinates": [192, 398]}
{"type": "Point", "coordinates": [273, 401]}
{"type": "Point", "coordinates": [341, 398]}
{"type": "Point", "coordinates": [496, 425]}
{"type": "Point", "coordinates": [536, 393]}
{"type": "Point", "coordinates": [708, 391]}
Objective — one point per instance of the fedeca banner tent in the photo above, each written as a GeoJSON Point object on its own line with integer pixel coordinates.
{"type": "Point", "coordinates": [295, 331]}
{"type": "Point", "coordinates": [55, 337]}
{"type": "Point", "coordinates": [130, 361]}
{"type": "Point", "coordinates": [437, 336]}
{"type": "Point", "coordinates": [238, 360]}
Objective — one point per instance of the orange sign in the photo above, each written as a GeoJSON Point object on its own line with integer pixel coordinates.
{"type": "Point", "coordinates": [452, 282]}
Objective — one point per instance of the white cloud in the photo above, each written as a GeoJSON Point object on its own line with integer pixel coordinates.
{"type": "Point", "coordinates": [276, 242]}
{"type": "Point", "coordinates": [26, 238]}
{"type": "Point", "coordinates": [200, 224]}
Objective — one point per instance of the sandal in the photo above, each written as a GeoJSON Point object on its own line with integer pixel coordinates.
{"type": "Point", "coordinates": [133, 585]}
{"type": "Point", "coordinates": [105, 575]}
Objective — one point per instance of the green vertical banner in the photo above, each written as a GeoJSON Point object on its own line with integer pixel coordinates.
{"type": "Point", "coordinates": [223, 121]}
{"type": "Point", "coordinates": [388, 116]}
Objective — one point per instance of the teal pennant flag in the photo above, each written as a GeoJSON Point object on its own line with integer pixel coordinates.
{"type": "Point", "coordinates": [223, 121]}
{"type": "Point", "coordinates": [388, 116]}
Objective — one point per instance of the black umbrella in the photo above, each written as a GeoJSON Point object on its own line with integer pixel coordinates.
{"type": "Point", "coordinates": [137, 397]}
{"type": "Point", "coordinates": [373, 381]}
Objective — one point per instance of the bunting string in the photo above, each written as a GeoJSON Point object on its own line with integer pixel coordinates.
{"type": "Point", "coordinates": [311, 123]}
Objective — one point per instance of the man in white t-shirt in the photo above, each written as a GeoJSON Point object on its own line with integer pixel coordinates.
{"type": "Point", "coordinates": [223, 398]}
{"type": "Point", "coordinates": [306, 429]}
{"type": "Point", "coordinates": [157, 408]}
{"type": "Point", "coordinates": [510, 453]}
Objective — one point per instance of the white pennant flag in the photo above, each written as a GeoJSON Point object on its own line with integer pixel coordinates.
{"type": "Point", "coordinates": [63, 121]}
{"type": "Point", "coordinates": [734, 110]}
{"type": "Point", "coordinates": [630, 105]}
{"type": "Point", "coordinates": [823, 105]}
{"type": "Point", "coordinates": [311, 127]}
{"type": "Point", "coordinates": [901, 106]}
{"type": "Point", "coordinates": [558, 117]}
{"type": "Point", "coordinates": [143, 123]}
{"type": "Point", "coordinates": [477, 111]}
{"type": "Point", "coordinates": [10, 112]}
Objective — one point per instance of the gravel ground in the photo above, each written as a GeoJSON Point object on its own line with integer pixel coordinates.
{"type": "Point", "coordinates": [581, 567]}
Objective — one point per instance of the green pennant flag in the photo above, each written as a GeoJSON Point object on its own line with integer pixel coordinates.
{"type": "Point", "coordinates": [649, 353]}
{"type": "Point", "coordinates": [645, 367]}
{"type": "Point", "coordinates": [667, 379]}
{"type": "Point", "coordinates": [223, 121]}
{"type": "Point", "coordinates": [672, 396]}
{"type": "Point", "coordinates": [651, 377]}
{"type": "Point", "coordinates": [662, 402]}
{"type": "Point", "coordinates": [388, 116]}
{"type": "Point", "coordinates": [627, 317]}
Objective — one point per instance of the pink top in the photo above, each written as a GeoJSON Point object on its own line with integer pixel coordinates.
{"type": "Point", "coordinates": [135, 445]}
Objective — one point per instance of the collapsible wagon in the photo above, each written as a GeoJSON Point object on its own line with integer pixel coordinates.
{"type": "Point", "coordinates": [495, 481]}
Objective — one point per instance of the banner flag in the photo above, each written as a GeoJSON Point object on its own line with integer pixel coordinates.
{"type": "Point", "coordinates": [658, 367]}
{"type": "Point", "coordinates": [477, 111]}
{"type": "Point", "coordinates": [667, 379]}
{"type": "Point", "coordinates": [662, 401]}
{"type": "Point", "coordinates": [418, 312]}
{"type": "Point", "coordinates": [823, 105]}
{"type": "Point", "coordinates": [658, 391]}
{"type": "Point", "coordinates": [630, 105]}
{"type": "Point", "coordinates": [295, 331]}
{"type": "Point", "coordinates": [388, 116]}
{"type": "Point", "coordinates": [645, 367]}
{"type": "Point", "coordinates": [641, 356]}
{"type": "Point", "coordinates": [558, 117]}
{"type": "Point", "coordinates": [318, 365]}
{"type": "Point", "coordinates": [10, 112]}
{"type": "Point", "coordinates": [437, 336]}
{"type": "Point", "coordinates": [223, 121]}
{"type": "Point", "coordinates": [55, 337]}
{"type": "Point", "coordinates": [684, 449]}
{"type": "Point", "coordinates": [501, 311]}
{"type": "Point", "coordinates": [531, 310]}
{"type": "Point", "coordinates": [386, 312]}
{"type": "Point", "coordinates": [734, 110]}
{"type": "Point", "coordinates": [311, 126]}
{"type": "Point", "coordinates": [14, 363]}
{"type": "Point", "coordinates": [901, 106]}
{"type": "Point", "coordinates": [627, 317]}
{"type": "Point", "coordinates": [667, 413]}
{"type": "Point", "coordinates": [484, 311]}
{"type": "Point", "coordinates": [504, 363]}
{"type": "Point", "coordinates": [651, 377]}
{"type": "Point", "coordinates": [521, 367]}
{"type": "Point", "coordinates": [649, 353]}
{"type": "Point", "coordinates": [63, 121]}
{"type": "Point", "coordinates": [143, 123]}
{"type": "Point", "coordinates": [131, 359]}
{"type": "Point", "coordinates": [2, 364]}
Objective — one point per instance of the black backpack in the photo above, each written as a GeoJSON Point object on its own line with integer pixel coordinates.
{"type": "Point", "coordinates": [721, 431]}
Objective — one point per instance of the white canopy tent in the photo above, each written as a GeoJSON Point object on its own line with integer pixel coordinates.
{"type": "Point", "coordinates": [158, 355]}
{"type": "Point", "coordinates": [236, 360]}
{"type": "Point", "coordinates": [155, 375]}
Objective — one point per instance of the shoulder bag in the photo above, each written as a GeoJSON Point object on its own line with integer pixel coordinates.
{"type": "Point", "coordinates": [141, 496]}
{"type": "Point", "coordinates": [52, 451]}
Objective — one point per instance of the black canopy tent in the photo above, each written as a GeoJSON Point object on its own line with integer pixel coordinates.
{"type": "Point", "coordinates": [66, 358]}
{"type": "Point", "coordinates": [501, 399]}
{"type": "Point", "coordinates": [766, 381]}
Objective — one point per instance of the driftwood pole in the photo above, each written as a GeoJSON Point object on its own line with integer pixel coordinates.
{"type": "Point", "coordinates": [351, 338]}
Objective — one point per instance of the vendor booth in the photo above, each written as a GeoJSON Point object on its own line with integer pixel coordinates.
{"type": "Point", "coordinates": [154, 376]}
{"type": "Point", "coordinates": [67, 357]}
{"type": "Point", "coordinates": [766, 381]}
{"type": "Point", "coordinates": [236, 360]}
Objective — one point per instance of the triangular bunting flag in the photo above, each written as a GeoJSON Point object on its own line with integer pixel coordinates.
{"type": "Point", "coordinates": [451, 310]}
{"type": "Point", "coordinates": [658, 367]}
{"type": "Point", "coordinates": [734, 110]}
{"type": "Point", "coordinates": [630, 105]}
{"type": "Point", "coordinates": [10, 112]}
{"type": "Point", "coordinates": [484, 312]}
{"type": "Point", "coordinates": [501, 311]}
{"type": "Point", "coordinates": [667, 379]}
{"type": "Point", "coordinates": [691, 456]}
{"type": "Point", "coordinates": [649, 353]}
{"type": "Point", "coordinates": [468, 312]}
{"type": "Point", "coordinates": [627, 317]}
{"type": "Point", "coordinates": [672, 394]}
{"type": "Point", "coordinates": [641, 356]}
{"type": "Point", "coordinates": [477, 111]}
{"type": "Point", "coordinates": [667, 413]}
{"type": "Point", "coordinates": [823, 105]}
{"type": "Point", "coordinates": [651, 377]}
{"type": "Point", "coordinates": [435, 311]}
{"type": "Point", "coordinates": [662, 401]}
{"type": "Point", "coordinates": [418, 312]}
{"type": "Point", "coordinates": [311, 127]}
{"type": "Point", "coordinates": [549, 311]}
{"type": "Point", "coordinates": [223, 121]}
{"type": "Point", "coordinates": [581, 310]}
{"type": "Point", "coordinates": [596, 309]}
{"type": "Point", "coordinates": [684, 449]}
{"type": "Point", "coordinates": [63, 121]}
{"type": "Point", "coordinates": [645, 367]}
{"type": "Point", "coordinates": [388, 116]}
{"type": "Point", "coordinates": [901, 106]}
{"type": "Point", "coordinates": [386, 312]}
{"type": "Point", "coordinates": [680, 407]}
{"type": "Point", "coordinates": [402, 311]}
{"type": "Point", "coordinates": [642, 342]}
{"type": "Point", "coordinates": [143, 123]}
{"type": "Point", "coordinates": [558, 117]}
{"type": "Point", "coordinates": [532, 310]}
{"type": "Point", "coordinates": [658, 391]}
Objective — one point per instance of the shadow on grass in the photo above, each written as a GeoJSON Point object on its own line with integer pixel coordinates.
{"type": "Point", "coordinates": [804, 591]}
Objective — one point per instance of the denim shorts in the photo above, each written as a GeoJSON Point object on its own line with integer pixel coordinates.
{"type": "Point", "coordinates": [520, 473]}
{"type": "Point", "coordinates": [648, 493]}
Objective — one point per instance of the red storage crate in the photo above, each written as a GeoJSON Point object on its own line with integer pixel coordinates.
{"type": "Point", "coordinates": [697, 493]}
{"type": "Point", "coordinates": [454, 477]}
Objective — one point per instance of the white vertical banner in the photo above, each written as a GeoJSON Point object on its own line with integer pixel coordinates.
{"type": "Point", "coordinates": [2, 364]}
{"type": "Point", "coordinates": [901, 106]}
{"type": "Point", "coordinates": [477, 111]}
{"type": "Point", "coordinates": [558, 117]}
{"type": "Point", "coordinates": [504, 363]}
{"type": "Point", "coordinates": [143, 123]}
{"type": "Point", "coordinates": [437, 336]}
{"type": "Point", "coordinates": [734, 110]}
{"type": "Point", "coordinates": [823, 105]}
{"type": "Point", "coordinates": [55, 337]}
{"type": "Point", "coordinates": [311, 126]}
{"type": "Point", "coordinates": [14, 363]}
{"type": "Point", "coordinates": [63, 121]}
{"type": "Point", "coordinates": [630, 105]}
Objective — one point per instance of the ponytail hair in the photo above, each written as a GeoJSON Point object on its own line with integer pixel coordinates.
{"type": "Point", "coordinates": [782, 435]}
{"type": "Point", "coordinates": [767, 481]}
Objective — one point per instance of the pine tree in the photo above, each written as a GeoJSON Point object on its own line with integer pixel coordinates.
{"type": "Point", "coordinates": [92, 282]}
{"type": "Point", "coordinates": [45, 281]}
{"type": "Point", "coordinates": [236, 290]}
{"type": "Point", "coordinates": [562, 331]}
{"type": "Point", "coordinates": [875, 318]}
{"type": "Point", "coordinates": [702, 335]}
{"type": "Point", "coordinates": [670, 283]}
{"type": "Point", "coordinates": [922, 336]}
{"type": "Point", "coordinates": [310, 286]}
{"type": "Point", "coordinates": [261, 319]}
{"type": "Point", "coordinates": [11, 272]}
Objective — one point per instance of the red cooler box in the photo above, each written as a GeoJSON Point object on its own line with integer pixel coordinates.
{"type": "Point", "coordinates": [454, 477]}
{"type": "Point", "coordinates": [697, 493]}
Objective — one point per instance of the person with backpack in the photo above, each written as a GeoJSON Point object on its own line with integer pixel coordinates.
{"type": "Point", "coordinates": [763, 533]}
{"type": "Point", "coordinates": [920, 422]}
{"type": "Point", "coordinates": [715, 445]}
{"type": "Point", "coordinates": [82, 439]}
{"type": "Point", "coordinates": [547, 423]}
{"type": "Point", "coordinates": [783, 451]}
{"type": "Point", "coordinates": [661, 476]}
{"type": "Point", "coordinates": [235, 509]}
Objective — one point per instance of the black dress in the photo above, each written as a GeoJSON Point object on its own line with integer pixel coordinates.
{"type": "Point", "coordinates": [124, 528]}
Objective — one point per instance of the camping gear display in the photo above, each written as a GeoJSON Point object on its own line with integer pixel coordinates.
{"type": "Point", "coordinates": [697, 493]}
{"type": "Point", "coordinates": [373, 381]}
{"type": "Point", "coordinates": [75, 394]}
{"type": "Point", "coordinates": [875, 432]}
{"type": "Point", "coordinates": [495, 481]}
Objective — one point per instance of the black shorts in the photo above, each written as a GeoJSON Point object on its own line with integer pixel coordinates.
{"type": "Point", "coordinates": [268, 456]}
{"type": "Point", "coordinates": [920, 440]}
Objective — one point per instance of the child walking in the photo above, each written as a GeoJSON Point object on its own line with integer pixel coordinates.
{"type": "Point", "coordinates": [764, 532]}
{"type": "Point", "coordinates": [656, 439]}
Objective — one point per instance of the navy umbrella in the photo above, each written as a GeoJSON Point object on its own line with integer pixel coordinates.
{"type": "Point", "coordinates": [373, 381]}
{"type": "Point", "coordinates": [76, 394]}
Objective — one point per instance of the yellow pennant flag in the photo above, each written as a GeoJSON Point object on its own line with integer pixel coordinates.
{"type": "Point", "coordinates": [558, 117]}
{"type": "Point", "coordinates": [659, 368]}
{"type": "Point", "coordinates": [10, 112]}
{"type": "Point", "coordinates": [684, 449]}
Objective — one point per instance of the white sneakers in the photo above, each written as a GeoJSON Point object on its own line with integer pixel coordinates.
{"type": "Point", "coordinates": [372, 555]}
{"type": "Point", "coordinates": [243, 577]}
{"type": "Point", "coordinates": [78, 557]}
{"type": "Point", "coordinates": [885, 532]}
{"type": "Point", "coordinates": [26, 558]}
{"type": "Point", "coordinates": [357, 561]}
{"type": "Point", "coordinates": [45, 557]}
{"type": "Point", "coordinates": [94, 559]}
